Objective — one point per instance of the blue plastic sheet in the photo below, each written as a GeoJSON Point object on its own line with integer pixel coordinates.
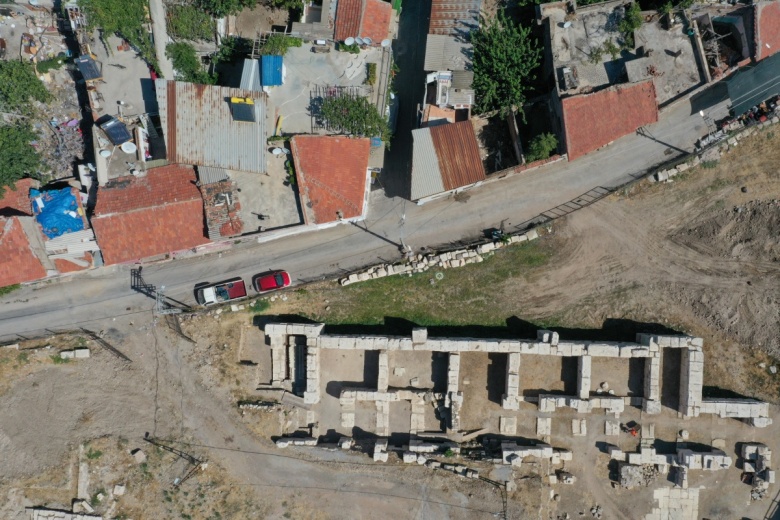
{"type": "Point", "coordinates": [57, 212]}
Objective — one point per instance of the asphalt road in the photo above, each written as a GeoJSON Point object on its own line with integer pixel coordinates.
{"type": "Point", "coordinates": [103, 293]}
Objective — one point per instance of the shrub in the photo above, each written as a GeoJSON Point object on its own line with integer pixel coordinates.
{"type": "Point", "coordinates": [354, 115]}
{"type": "Point", "coordinates": [51, 64]}
{"type": "Point", "coordinates": [352, 49]}
{"type": "Point", "coordinates": [371, 74]}
{"type": "Point", "coordinates": [187, 64]}
{"type": "Point", "coordinates": [190, 23]}
{"type": "Point", "coordinates": [541, 147]}
{"type": "Point", "coordinates": [277, 44]}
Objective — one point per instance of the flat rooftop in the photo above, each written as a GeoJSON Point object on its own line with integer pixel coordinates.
{"type": "Point", "coordinates": [586, 52]}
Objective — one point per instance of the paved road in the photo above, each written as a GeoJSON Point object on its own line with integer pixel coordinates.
{"type": "Point", "coordinates": [106, 292]}
{"type": "Point", "coordinates": [160, 32]}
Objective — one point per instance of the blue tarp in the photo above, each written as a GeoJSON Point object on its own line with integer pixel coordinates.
{"type": "Point", "coordinates": [270, 71]}
{"type": "Point", "coordinates": [57, 211]}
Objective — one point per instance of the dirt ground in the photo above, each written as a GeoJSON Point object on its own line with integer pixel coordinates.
{"type": "Point", "coordinates": [261, 19]}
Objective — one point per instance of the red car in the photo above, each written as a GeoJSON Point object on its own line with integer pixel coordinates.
{"type": "Point", "coordinates": [265, 282]}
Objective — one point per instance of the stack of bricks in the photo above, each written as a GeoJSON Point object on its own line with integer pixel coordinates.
{"type": "Point", "coordinates": [418, 415]}
{"type": "Point", "coordinates": [583, 376]}
{"type": "Point", "coordinates": [383, 377]}
{"type": "Point", "coordinates": [347, 402]}
{"type": "Point", "coordinates": [652, 398]}
{"type": "Point", "coordinates": [380, 450]}
{"type": "Point", "coordinates": [511, 400]}
{"type": "Point", "coordinates": [691, 381]}
{"type": "Point", "coordinates": [513, 454]}
{"type": "Point", "coordinates": [312, 393]}
{"type": "Point", "coordinates": [382, 418]}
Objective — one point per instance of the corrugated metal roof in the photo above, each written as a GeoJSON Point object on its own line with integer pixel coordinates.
{"type": "Point", "coordinates": [458, 153]}
{"type": "Point", "coordinates": [447, 53]}
{"type": "Point", "coordinates": [209, 175]}
{"type": "Point", "coordinates": [250, 75]}
{"type": "Point", "coordinates": [200, 130]}
{"type": "Point", "coordinates": [454, 17]}
{"type": "Point", "coordinates": [270, 71]}
{"type": "Point", "coordinates": [754, 84]}
{"type": "Point", "coordinates": [426, 177]}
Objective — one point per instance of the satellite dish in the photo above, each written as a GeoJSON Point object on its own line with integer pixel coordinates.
{"type": "Point", "coordinates": [349, 41]}
{"type": "Point", "coordinates": [277, 151]}
{"type": "Point", "coordinates": [359, 40]}
{"type": "Point", "coordinates": [129, 147]}
{"type": "Point", "coordinates": [368, 41]}
{"type": "Point", "coordinates": [285, 150]}
{"type": "Point", "coordinates": [566, 25]}
{"type": "Point", "coordinates": [386, 43]}
{"type": "Point", "coordinates": [105, 153]}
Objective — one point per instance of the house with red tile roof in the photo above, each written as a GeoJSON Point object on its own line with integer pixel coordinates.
{"type": "Point", "coordinates": [151, 215]}
{"type": "Point", "coordinates": [363, 18]}
{"type": "Point", "coordinates": [333, 177]}
{"type": "Point", "coordinates": [18, 261]}
{"type": "Point", "coordinates": [767, 28]}
{"type": "Point", "coordinates": [591, 121]}
{"type": "Point", "coordinates": [16, 199]}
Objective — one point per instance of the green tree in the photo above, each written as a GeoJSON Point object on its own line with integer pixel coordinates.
{"type": "Point", "coordinates": [541, 147]}
{"type": "Point", "coordinates": [354, 115]}
{"type": "Point", "coordinates": [18, 158]}
{"type": "Point", "coordinates": [19, 86]}
{"type": "Point", "coordinates": [222, 8]}
{"type": "Point", "coordinates": [125, 17]}
{"type": "Point", "coordinates": [505, 58]}
{"type": "Point", "coordinates": [187, 64]}
{"type": "Point", "coordinates": [296, 5]}
{"type": "Point", "coordinates": [631, 21]}
{"type": "Point", "coordinates": [190, 23]}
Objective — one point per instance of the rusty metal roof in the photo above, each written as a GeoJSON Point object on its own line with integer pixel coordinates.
{"type": "Point", "coordinates": [454, 17]}
{"type": "Point", "coordinates": [447, 160]}
{"type": "Point", "coordinates": [200, 129]}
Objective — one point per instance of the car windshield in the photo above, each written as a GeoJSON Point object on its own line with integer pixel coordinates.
{"type": "Point", "coordinates": [279, 280]}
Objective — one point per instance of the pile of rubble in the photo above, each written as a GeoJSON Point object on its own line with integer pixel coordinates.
{"type": "Point", "coordinates": [259, 405]}
{"type": "Point", "coordinates": [632, 476]}
{"type": "Point", "coordinates": [421, 263]}
{"type": "Point", "coordinates": [756, 460]}
{"type": "Point", "coordinates": [713, 154]}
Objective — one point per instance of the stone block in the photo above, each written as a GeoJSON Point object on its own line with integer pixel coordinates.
{"type": "Point", "coordinates": [579, 427]}
{"type": "Point", "coordinates": [81, 353]}
{"type": "Point", "coordinates": [532, 235]}
{"type": "Point", "coordinates": [67, 354]}
{"type": "Point", "coordinates": [507, 425]}
{"type": "Point", "coordinates": [543, 426]}
{"type": "Point", "coordinates": [119, 490]}
{"type": "Point", "coordinates": [409, 457]}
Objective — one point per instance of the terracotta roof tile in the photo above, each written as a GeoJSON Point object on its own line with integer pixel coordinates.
{"type": "Point", "coordinates": [16, 199]}
{"type": "Point", "coordinates": [18, 263]}
{"type": "Point", "coordinates": [175, 183]}
{"type": "Point", "coordinates": [331, 176]}
{"type": "Point", "coordinates": [767, 17]}
{"type": "Point", "coordinates": [348, 14]}
{"type": "Point", "coordinates": [457, 150]}
{"type": "Point", "coordinates": [376, 20]}
{"type": "Point", "coordinates": [66, 266]}
{"type": "Point", "coordinates": [137, 218]}
{"type": "Point", "coordinates": [594, 120]}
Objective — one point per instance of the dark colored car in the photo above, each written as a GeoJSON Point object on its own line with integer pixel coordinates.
{"type": "Point", "coordinates": [265, 282]}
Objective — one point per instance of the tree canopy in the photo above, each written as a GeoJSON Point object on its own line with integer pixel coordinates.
{"type": "Point", "coordinates": [19, 85]}
{"type": "Point", "coordinates": [505, 58]}
{"type": "Point", "coordinates": [354, 115]}
{"type": "Point", "coordinates": [187, 64]}
{"type": "Point", "coordinates": [125, 17]}
{"type": "Point", "coordinates": [190, 23]}
{"type": "Point", "coordinates": [222, 8]}
{"type": "Point", "coordinates": [541, 147]}
{"type": "Point", "coordinates": [18, 158]}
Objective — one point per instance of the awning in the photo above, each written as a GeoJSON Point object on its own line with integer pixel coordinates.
{"type": "Point", "coordinates": [753, 84]}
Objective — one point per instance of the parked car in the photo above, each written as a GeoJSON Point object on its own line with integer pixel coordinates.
{"type": "Point", "coordinates": [209, 294]}
{"type": "Point", "coordinates": [271, 281]}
